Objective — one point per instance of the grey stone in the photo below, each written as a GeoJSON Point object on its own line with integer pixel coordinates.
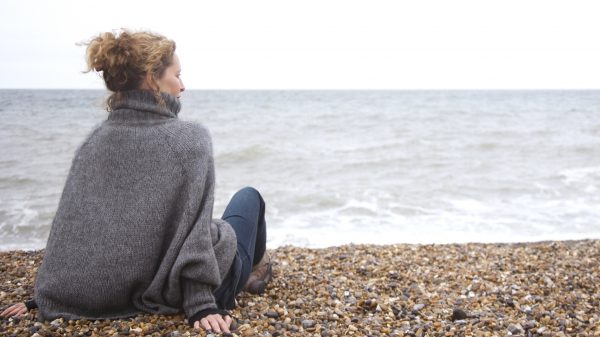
{"type": "Point", "coordinates": [308, 323]}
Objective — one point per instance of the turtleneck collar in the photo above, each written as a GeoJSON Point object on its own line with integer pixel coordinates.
{"type": "Point", "coordinates": [142, 104]}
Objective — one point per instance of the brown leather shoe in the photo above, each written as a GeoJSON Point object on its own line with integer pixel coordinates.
{"type": "Point", "coordinates": [260, 276]}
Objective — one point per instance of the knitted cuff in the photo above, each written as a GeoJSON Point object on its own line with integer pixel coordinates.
{"type": "Point", "coordinates": [203, 313]}
{"type": "Point", "coordinates": [197, 297]}
{"type": "Point", "coordinates": [30, 304]}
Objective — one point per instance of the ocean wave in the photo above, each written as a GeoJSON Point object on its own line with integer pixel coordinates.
{"type": "Point", "coordinates": [18, 218]}
{"type": "Point", "coordinates": [245, 153]}
{"type": "Point", "coordinates": [585, 179]}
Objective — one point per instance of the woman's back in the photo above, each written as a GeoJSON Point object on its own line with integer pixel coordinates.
{"type": "Point", "coordinates": [130, 209]}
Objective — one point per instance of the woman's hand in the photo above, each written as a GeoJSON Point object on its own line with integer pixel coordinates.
{"type": "Point", "coordinates": [215, 322]}
{"type": "Point", "coordinates": [14, 310]}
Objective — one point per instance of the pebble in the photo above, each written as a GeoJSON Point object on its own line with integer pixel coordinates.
{"type": "Point", "coordinates": [272, 314]}
{"type": "Point", "coordinates": [529, 325]}
{"type": "Point", "coordinates": [418, 307]}
{"type": "Point", "coordinates": [308, 323]}
{"type": "Point", "coordinates": [458, 314]}
{"type": "Point", "coordinates": [515, 329]}
{"type": "Point", "coordinates": [543, 289]}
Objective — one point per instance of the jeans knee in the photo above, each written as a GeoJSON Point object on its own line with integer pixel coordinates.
{"type": "Point", "coordinates": [249, 196]}
{"type": "Point", "coordinates": [249, 191]}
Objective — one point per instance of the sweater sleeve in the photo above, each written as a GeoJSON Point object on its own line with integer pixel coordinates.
{"type": "Point", "coordinates": [197, 297]}
{"type": "Point", "coordinates": [30, 304]}
{"type": "Point", "coordinates": [200, 267]}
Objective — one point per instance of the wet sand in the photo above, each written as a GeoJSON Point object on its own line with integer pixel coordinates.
{"type": "Point", "coordinates": [529, 289]}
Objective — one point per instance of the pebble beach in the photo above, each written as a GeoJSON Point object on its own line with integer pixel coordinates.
{"type": "Point", "coordinates": [523, 289]}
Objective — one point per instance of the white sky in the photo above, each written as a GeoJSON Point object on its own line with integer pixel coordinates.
{"type": "Point", "coordinates": [322, 44]}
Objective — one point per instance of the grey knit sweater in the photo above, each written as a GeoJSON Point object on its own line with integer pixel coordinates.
{"type": "Point", "coordinates": [134, 231]}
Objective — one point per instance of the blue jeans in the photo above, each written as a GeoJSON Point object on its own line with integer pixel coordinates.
{"type": "Point", "coordinates": [246, 215]}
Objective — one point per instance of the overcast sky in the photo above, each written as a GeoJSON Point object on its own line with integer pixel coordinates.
{"type": "Point", "coordinates": [323, 44]}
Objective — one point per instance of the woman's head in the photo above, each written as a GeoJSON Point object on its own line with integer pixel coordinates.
{"type": "Point", "coordinates": [135, 60]}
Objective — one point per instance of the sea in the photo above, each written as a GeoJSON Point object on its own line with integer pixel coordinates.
{"type": "Point", "coordinates": [342, 167]}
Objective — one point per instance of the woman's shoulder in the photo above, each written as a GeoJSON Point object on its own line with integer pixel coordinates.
{"type": "Point", "coordinates": [188, 128]}
{"type": "Point", "coordinates": [188, 136]}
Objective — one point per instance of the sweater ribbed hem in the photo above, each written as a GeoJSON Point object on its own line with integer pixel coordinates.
{"type": "Point", "coordinates": [197, 297]}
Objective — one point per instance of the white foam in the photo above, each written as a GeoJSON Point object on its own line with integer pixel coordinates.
{"type": "Point", "coordinates": [522, 219]}
{"type": "Point", "coordinates": [19, 216]}
{"type": "Point", "coordinates": [470, 205]}
{"type": "Point", "coordinates": [580, 175]}
{"type": "Point", "coordinates": [327, 236]}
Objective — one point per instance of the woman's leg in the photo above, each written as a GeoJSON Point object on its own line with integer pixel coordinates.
{"type": "Point", "coordinates": [246, 214]}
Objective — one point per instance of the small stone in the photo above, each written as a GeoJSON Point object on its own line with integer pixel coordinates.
{"type": "Point", "coordinates": [458, 314]}
{"type": "Point", "coordinates": [515, 329]}
{"type": "Point", "coordinates": [272, 314]}
{"type": "Point", "coordinates": [529, 325]}
{"type": "Point", "coordinates": [510, 302]}
{"type": "Point", "coordinates": [343, 256]}
{"type": "Point", "coordinates": [308, 323]}
{"type": "Point", "coordinates": [418, 307]}
{"type": "Point", "coordinates": [57, 322]}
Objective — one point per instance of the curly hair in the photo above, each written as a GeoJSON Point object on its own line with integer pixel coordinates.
{"type": "Point", "coordinates": [124, 58]}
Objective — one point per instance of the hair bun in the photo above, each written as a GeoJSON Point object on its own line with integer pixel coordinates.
{"type": "Point", "coordinates": [124, 58]}
{"type": "Point", "coordinates": [97, 51]}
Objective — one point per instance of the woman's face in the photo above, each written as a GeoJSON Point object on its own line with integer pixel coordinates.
{"type": "Point", "coordinates": [170, 82]}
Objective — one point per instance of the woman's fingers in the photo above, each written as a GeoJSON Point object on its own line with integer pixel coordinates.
{"type": "Point", "coordinates": [215, 323]}
{"type": "Point", "coordinates": [210, 323]}
{"type": "Point", "coordinates": [10, 311]}
{"type": "Point", "coordinates": [205, 323]}
{"type": "Point", "coordinates": [228, 320]}
{"type": "Point", "coordinates": [18, 310]}
{"type": "Point", "coordinates": [14, 310]}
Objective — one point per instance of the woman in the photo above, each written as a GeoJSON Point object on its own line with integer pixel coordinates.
{"type": "Point", "coordinates": [133, 232]}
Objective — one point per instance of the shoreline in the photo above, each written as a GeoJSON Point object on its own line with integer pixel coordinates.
{"type": "Point", "coordinates": [546, 288]}
{"type": "Point", "coordinates": [273, 247]}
